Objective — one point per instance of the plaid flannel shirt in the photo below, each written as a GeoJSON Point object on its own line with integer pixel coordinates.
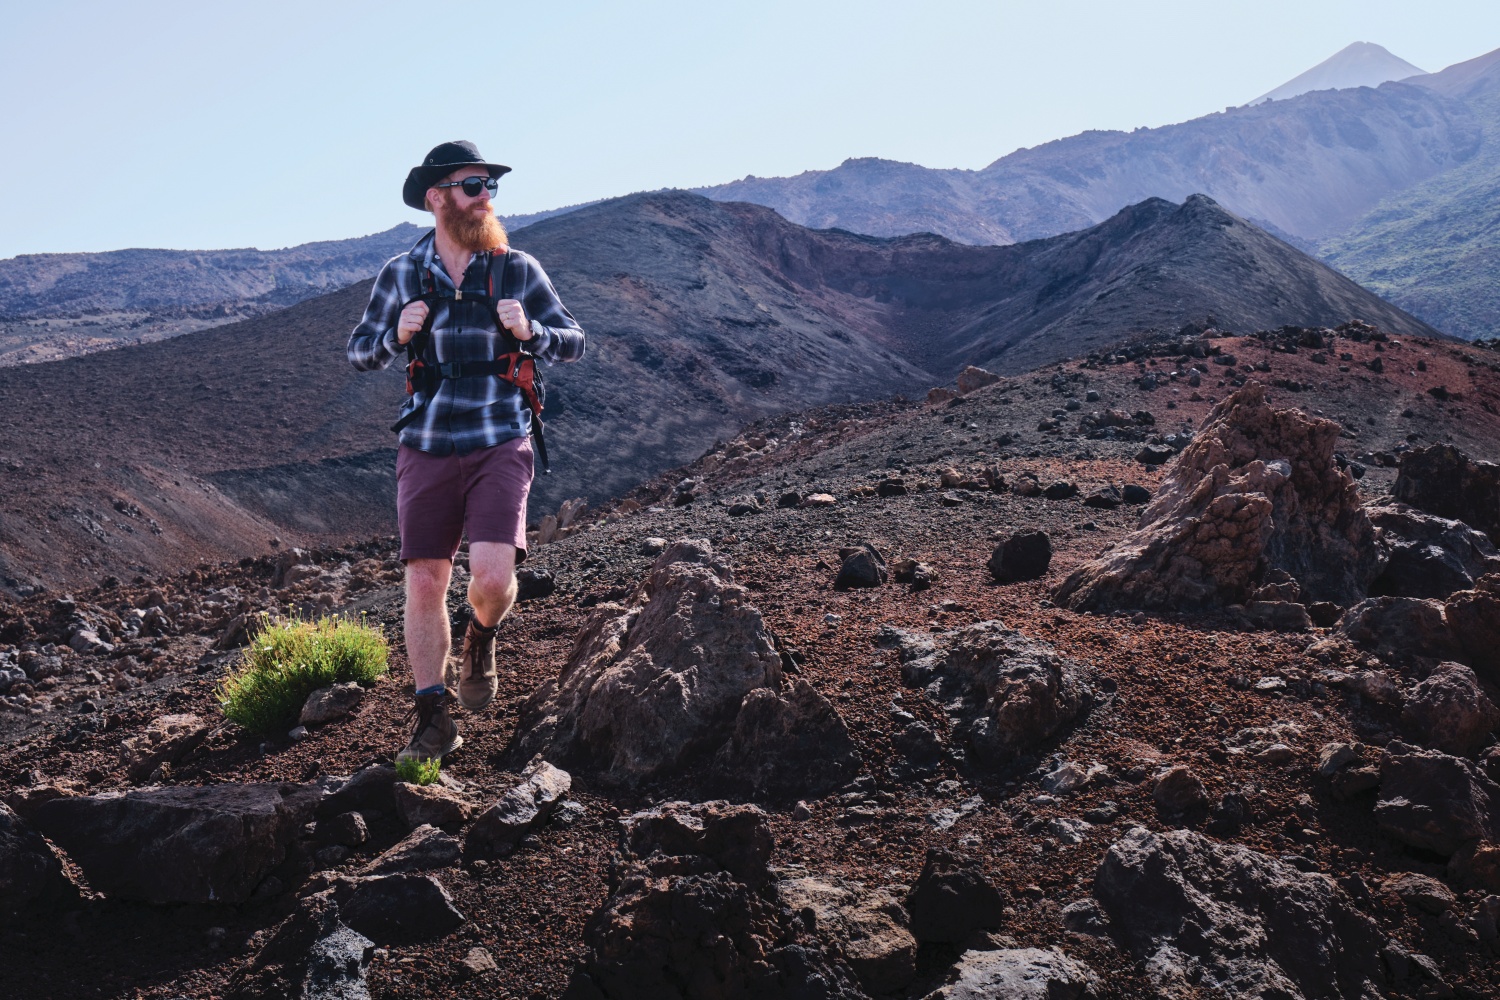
{"type": "Point", "coordinates": [469, 413]}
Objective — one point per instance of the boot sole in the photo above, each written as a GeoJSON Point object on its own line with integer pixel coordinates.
{"type": "Point", "coordinates": [474, 706]}
{"type": "Point", "coordinates": [458, 741]}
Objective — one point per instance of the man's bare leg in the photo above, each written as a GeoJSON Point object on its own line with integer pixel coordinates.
{"type": "Point", "coordinates": [428, 634]}
{"type": "Point", "coordinates": [492, 580]}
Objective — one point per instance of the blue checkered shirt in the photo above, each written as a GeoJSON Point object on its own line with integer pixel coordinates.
{"type": "Point", "coordinates": [468, 413]}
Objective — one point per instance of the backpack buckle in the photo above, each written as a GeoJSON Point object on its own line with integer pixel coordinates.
{"type": "Point", "coordinates": [451, 369]}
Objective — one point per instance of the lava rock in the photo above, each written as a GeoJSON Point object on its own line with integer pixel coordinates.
{"type": "Point", "coordinates": [1435, 802]}
{"type": "Point", "coordinates": [425, 849]}
{"type": "Point", "coordinates": [952, 899]}
{"type": "Point", "coordinates": [347, 828]}
{"type": "Point", "coordinates": [1395, 626]}
{"type": "Point", "coordinates": [1429, 556]}
{"type": "Point", "coordinates": [534, 583]}
{"type": "Point", "coordinates": [863, 567]}
{"type": "Point", "coordinates": [1257, 489]}
{"type": "Point", "coordinates": [1179, 790]}
{"type": "Point", "coordinates": [180, 844]}
{"type": "Point", "coordinates": [865, 927]}
{"type": "Point", "coordinates": [1104, 498]}
{"type": "Point", "coordinates": [786, 745]}
{"type": "Point", "coordinates": [329, 703]}
{"type": "Point", "coordinates": [1060, 490]}
{"type": "Point", "coordinates": [891, 488]}
{"type": "Point", "coordinates": [1133, 494]}
{"type": "Point", "coordinates": [732, 838]}
{"type": "Point", "coordinates": [312, 955]}
{"type": "Point", "coordinates": [1155, 454]}
{"type": "Point", "coordinates": [1449, 711]}
{"type": "Point", "coordinates": [972, 378]}
{"type": "Point", "coordinates": [1444, 481]}
{"type": "Point", "coordinates": [368, 790]}
{"type": "Point", "coordinates": [1018, 974]}
{"type": "Point", "coordinates": [398, 909]}
{"type": "Point", "coordinates": [435, 805]}
{"type": "Point", "coordinates": [167, 740]}
{"type": "Point", "coordinates": [522, 809]}
{"type": "Point", "coordinates": [1224, 919]}
{"type": "Point", "coordinates": [31, 874]}
{"type": "Point", "coordinates": [1473, 620]}
{"type": "Point", "coordinates": [1025, 555]}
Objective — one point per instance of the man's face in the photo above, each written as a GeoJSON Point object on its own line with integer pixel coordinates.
{"type": "Point", "coordinates": [469, 220]}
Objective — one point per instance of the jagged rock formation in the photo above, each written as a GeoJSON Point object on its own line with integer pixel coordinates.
{"type": "Point", "coordinates": [1004, 693]}
{"type": "Point", "coordinates": [1233, 921]}
{"type": "Point", "coordinates": [865, 927]}
{"type": "Point", "coordinates": [1256, 490]}
{"type": "Point", "coordinates": [1442, 480]}
{"type": "Point", "coordinates": [1427, 555]}
{"type": "Point", "coordinates": [1435, 802]}
{"type": "Point", "coordinates": [692, 914]}
{"type": "Point", "coordinates": [657, 685]}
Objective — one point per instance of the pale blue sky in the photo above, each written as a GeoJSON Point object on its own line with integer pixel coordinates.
{"type": "Point", "coordinates": [221, 124]}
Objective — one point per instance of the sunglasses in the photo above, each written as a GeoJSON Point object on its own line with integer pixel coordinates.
{"type": "Point", "coordinates": [473, 185]}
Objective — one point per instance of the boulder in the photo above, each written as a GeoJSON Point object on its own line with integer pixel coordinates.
{"type": "Point", "coordinates": [1025, 555]}
{"type": "Point", "coordinates": [1018, 974]}
{"type": "Point", "coordinates": [703, 923]}
{"type": "Point", "coordinates": [1178, 789]}
{"type": "Point", "coordinates": [1435, 802]}
{"type": "Point", "coordinates": [425, 849]}
{"type": "Point", "coordinates": [1004, 693]}
{"type": "Point", "coordinates": [657, 685]}
{"type": "Point", "coordinates": [1422, 892]}
{"type": "Point", "coordinates": [1104, 498]}
{"type": "Point", "coordinates": [329, 703]}
{"type": "Point", "coordinates": [1473, 619]}
{"type": "Point", "coordinates": [370, 790]}
{"type": "Point", "coordinates": [1449, 711]}
{"type": "Point", "coordinates": [347, 829]}
{"type": "Point", "coordinates": [166, 740]}
{"type": "Point", "coordinates": [431, 805]}
{"type": "Point", "coordinates": [1225, 920]}
{"type": "Point", "coordinates": [312, 955]}
{"type": "Point", "coordinates": [865, 927]}
{"type": "Point", "coordinates": [952, 899]}
{"type": "Point", "coordinates": [1256, 490]}
{"type": "Point", "coordinates": [31, 875]}
{"type": "Point", "coordinates": [525, 807]}
{"type": "Point", "coordinates": [1476, 865]}
{"type": "Point", "coordinates": [397, 909]}
{"type": "Point", "coordinates": [1444, 481]}
{"type": "Point", "coordinates": [181, 844]}
{"type": "Point", "coordinates": [863, 566]}
{"type": "Point", "coordinates": [1400, 627]}
{"type": "Point", "coordinates": [1134, 494]}
{"type": "Point", "coordinates": [1428, 556]}
{"type": "Point", "coordinates": [787, 745]}
{"type": "Point", "coordinates": [972, 378]}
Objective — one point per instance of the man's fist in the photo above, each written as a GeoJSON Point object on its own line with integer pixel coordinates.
{"type": "Point", "coordinates": [412, 318]}
{"type": "Point", "coordinates": [513, 318]}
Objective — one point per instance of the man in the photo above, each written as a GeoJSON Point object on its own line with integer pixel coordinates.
{"type": "Point", "coordinates": [465, 461]}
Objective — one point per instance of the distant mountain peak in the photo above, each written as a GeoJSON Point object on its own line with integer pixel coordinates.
{"type": "Point", "coordinates": [1362, 64]}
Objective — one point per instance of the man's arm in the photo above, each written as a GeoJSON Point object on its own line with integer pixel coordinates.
{"type": "Point", "coordinates": [555, 334]}
{"type": "Point", "coordinates": [375, 342]}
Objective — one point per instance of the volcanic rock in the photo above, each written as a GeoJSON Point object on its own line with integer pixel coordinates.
{"type": "Point", "coordinates": [952, 899]}
{"type": "Point", "coordinates": [180, 844]}
{"type": "Point", "coordinates": [972, 378]}
{"type": "Point", "coordinates": [30, 873]}
{"type": "Point", "coordinates": [397, 909]}
{"type": "Point", "coordinates": [533, 583]}
{"type": "Point", "coordinates": [865, 927]}
{"type": "Point", "coordinates": [1436, 802]}
{"type": "Point", "coordinates": [435, 805]}
{"type": "Point", "coordinates": [1018, 974]}
{"type": "Point", "coordinates": [1178, 789]}
{"type": "Point", "coordinates": [1257, 489]}
{"type": "Point", "coordinates": [1449, 711]}
{"type": "Point", "coordinates": [675, 919]}
{"type": "Point", "coordinates": [426, 848]}
{"type": "Point", "coordinates": [659, 684]}
{"type": "Point", "coordinates": [327, 704]}
{"type": "Point", "coordinates": [786, 745]}
{"type": "Point", "coordinates": [1400, 626]}
{"type": "Point", "coordinates": [525, 807]}
{"type": "Point", "coordinates": [1477, 865]}
{"type": "Point", "coordinates": [1423, 892]}
{"type": "Point", "coordinates": [347, 829]}
{"type": "Point", "coordinates": [1104, 498]}
{"type": "Point", "coordinates": [1444, 481]}
{"type": "Point", "coordinates": [368, 790]}
{"type": "Point", "coordinates": [1429, 556]}
{"type": "Point", "coordinates": [311, 956]}
{"type": "Point", "coordinates": [1025, 555]}
{"type": "Point", "coordinates": [1473, 618]}
{"type": "Point", "coordinates": [1004, 693]}
{"type": "Point", "coordinates": [863, 566]}
{"type": "Point", "coordinates": [167, 740]}
{"type": "Point", "coordinates": [1225, 919]}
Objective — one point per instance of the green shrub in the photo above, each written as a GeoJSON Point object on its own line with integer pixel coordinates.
{"type": "Point", "coordinates": [418, 772]}
{"type": "Point", "coordinates": [290, 660]}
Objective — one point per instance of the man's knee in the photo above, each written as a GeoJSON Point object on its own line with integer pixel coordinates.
{"type": "Point", "coordinates": [427, 579]}
{"type": "Point", "coordinates": [492, 567]}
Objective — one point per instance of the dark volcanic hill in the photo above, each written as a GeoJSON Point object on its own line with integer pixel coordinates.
{"type": "Point", "coordinates": [702, 317]}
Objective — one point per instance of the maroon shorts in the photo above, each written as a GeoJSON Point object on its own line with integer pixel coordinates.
{"type": "Point", "coordinates": [440, 498]}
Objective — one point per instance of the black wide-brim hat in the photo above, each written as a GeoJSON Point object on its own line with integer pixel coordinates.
{"type": "Point", "coordinates": [442, 161]}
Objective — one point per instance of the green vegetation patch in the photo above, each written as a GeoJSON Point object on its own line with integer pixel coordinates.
{"type": "Point", "coordinates": [290, 660]}
{"type": "Point", "coordinates": [418, 772]}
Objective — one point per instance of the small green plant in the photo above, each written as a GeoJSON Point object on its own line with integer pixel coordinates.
{"type": "Point", "coordinates": [291, 659]}
{"type": "Point", "coordinates": [418, 772]}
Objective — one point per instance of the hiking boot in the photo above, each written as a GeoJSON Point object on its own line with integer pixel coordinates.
{"type": "Point", "coordinates": [477, 681]}
{"type": "Point", "coordinates": [436, 733]}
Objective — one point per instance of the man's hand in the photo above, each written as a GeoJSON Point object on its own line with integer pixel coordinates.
{"type": "Point", "coordinates": [412, 318]}
{"type": "Point", "coordinates": [513, 318]}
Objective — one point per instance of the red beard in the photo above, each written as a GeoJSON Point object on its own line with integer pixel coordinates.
{"type": "Point", "coordinates": [474, 229]}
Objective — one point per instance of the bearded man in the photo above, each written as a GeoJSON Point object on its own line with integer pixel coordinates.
{"type": "Point", "coordinates": [453, 304]}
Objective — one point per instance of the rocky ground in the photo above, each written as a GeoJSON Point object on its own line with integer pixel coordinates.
{"type": "Point", "coordinates": [1267, 785]}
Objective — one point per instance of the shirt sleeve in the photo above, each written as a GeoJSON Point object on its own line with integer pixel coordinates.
{"type": "Point", "coordinates": [555, 334]}
{"type": "Point", "coordinates": [373, 344]}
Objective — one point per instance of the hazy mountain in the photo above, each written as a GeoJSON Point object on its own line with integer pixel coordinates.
{"type": "Point", "coordinates": [1363, 64]}
{"type": "Point", "coordinates": [702, 316]}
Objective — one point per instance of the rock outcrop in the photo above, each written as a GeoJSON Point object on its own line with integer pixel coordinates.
{"type": "Point", "coordinates": [1018, 974]}
{"type": "Point", "coordinates": [660, 684]}
{"type": "Point", "coordinates": [1257, 489]}
{"type": "Point", "coordinates": [1004, 693]}
{"type": "Point", "coordinates": [1444, 481]}
{"type": "Point", "coordinates": [952, 899]}
{"type": "Point", "coordinates": [312, 955]}
{"type": "Point", "coordinates": [210, 844]}
{"type": "Point", "coordinates": [1230, 921]}
{"type": "Point", "coordinates": [1436, 802]}
{"type": "Point", "coordinates": [1449, 711]}
{"type": "Point", "coordinates": [1427, 555]}
{"type": "Point", "coordinates": [866, 927]}
{"type": "Point", "coordinates": [524, 807]}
